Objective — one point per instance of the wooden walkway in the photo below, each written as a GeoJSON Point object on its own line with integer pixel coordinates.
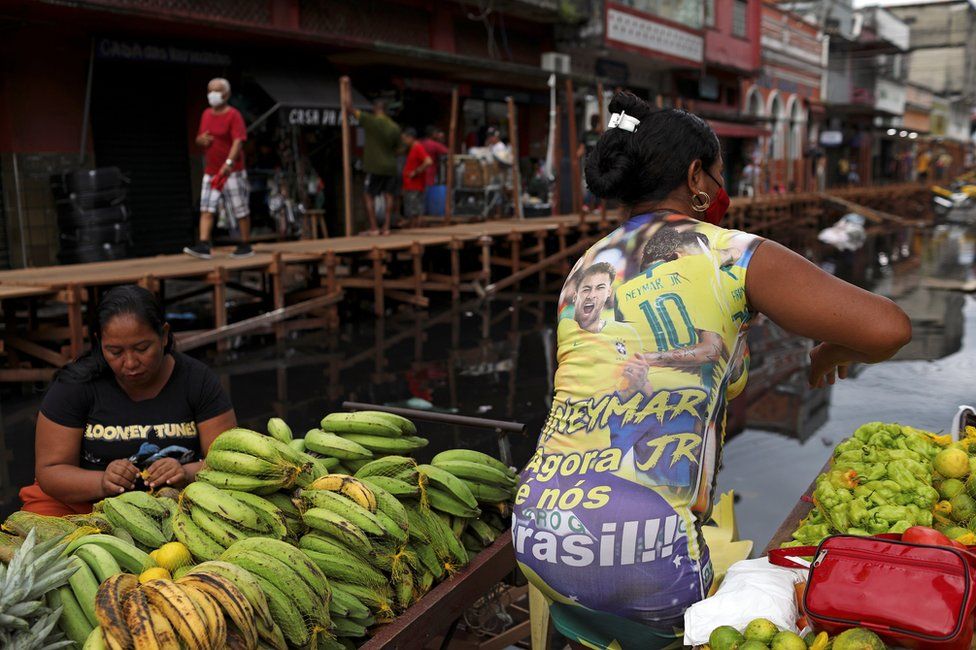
{"type": "Point", "coordinates": [300, 283]}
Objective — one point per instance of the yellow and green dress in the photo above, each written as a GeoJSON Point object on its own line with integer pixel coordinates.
{"type": "Point", "coordinates": [609, 509]}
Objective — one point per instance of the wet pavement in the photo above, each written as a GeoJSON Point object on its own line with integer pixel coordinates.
{"type": "Point", "coordinates": [496, 360]}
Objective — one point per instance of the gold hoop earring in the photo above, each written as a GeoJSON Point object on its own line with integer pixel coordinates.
{"type": "Point", "coordinates": [699, 204]}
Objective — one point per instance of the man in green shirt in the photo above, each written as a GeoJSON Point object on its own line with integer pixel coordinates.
{"type": "Point", "coordinates": [379, 161]}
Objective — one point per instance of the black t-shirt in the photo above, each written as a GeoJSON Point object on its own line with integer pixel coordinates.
{"type": "Point", "coordinates": [116, 426]}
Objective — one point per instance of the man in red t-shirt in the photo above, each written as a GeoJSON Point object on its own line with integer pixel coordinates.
{"type": "Point", "coordinates": [433, 144]}
{"type": "Point", "coordinates": [222, 134]}
{"type": "Point", "coordinates": [414, 177]}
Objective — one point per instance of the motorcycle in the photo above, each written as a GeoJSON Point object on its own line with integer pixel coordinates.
{"type": "Point", "coordinates": [957, 202]}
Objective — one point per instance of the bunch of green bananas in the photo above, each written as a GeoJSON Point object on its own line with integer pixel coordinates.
{"type": "Point", "coordinates": [95, 558]}
{"type": "Point", "coordinates": [356, 438]}
{"type": "Point", "coordinates": [210, 519]}
{"type": "Point", "coordinates": [200, 611]}
{"type": "Point", "coordinates": [487, 479]}
{"type": "Point", "coordinates": [297, 592]}
{"type": "Point", "coordinates": [318, 538]}
{"type": "Point", "coordinates": [268, 631]}
{"type": "Point", "coordinates": [148, 520]}
{"type": "Point", "coordinates": [248, 461]}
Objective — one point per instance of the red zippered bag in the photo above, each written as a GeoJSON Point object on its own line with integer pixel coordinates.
{"type": "Point", "coordinates": [911, 595]}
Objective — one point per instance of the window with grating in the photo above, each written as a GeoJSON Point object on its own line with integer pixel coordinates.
{"type": "Point", "coordinates": [739, 24]}
{"type": "Point", "coordinates": [368, 19]}
{"type": "Point", "coordinates": [245, 11]}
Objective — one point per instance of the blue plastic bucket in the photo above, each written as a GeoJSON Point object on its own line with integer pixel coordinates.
{"type": "Point", "coordinates": [435, 200]}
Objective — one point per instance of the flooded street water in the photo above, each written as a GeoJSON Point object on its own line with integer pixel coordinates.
{"type": "Point", "coordinates": [497, 360]}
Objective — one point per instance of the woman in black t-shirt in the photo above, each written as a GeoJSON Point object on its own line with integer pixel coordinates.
{"type": "Point", "coordinates": [132, 398]}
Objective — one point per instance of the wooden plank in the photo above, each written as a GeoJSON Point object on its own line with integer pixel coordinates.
{"type": "Point", "coordinates": [451, 145]}
{"type": "Point", "coordinates": [345, 99]}
{"type": "Point", "coordinates": [250, 324]}
{"type": "Point", "coordinates": [557, 159]}
{"type": "Point", "coordinates": [436, 611]}
{"type": "Point", "coordinates": [24, 291]}
{"type": "Point", "coordinates": [76, 325]}
{"type": "Point", "coordinates": [218, 278]}
{"type": "Point", "coordinates": [600, 127]}
{"type": "Point", "coordinates": [516, 169]}
{"type": "Point", "coordinates": [37, 351]}
{"type": "Point", "coordinates": [578, 247]}
{"type": "Point", "coordinates": [573, 143]}
{"type": "Point", "coordinates": [966, 286]}
{"type": "Point", "coordinates": [403, 296]}
{"type": "Point", "coordinates": [17, 375]}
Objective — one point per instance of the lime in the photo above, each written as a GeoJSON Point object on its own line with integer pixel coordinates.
{"type": "Point", "coordinates": [858, 639]}
{"type": "Point", "coordinates": [753, 645]}
{"type": "Point", "coordinates": [963, 507]}
{"type": "Point", "coordinates": [788, 641]}
{"type": "Point", "coordinates": [761, 630]}
{"type": "Point", "coordinates": [951, 487]}
{"type": "Point", "coordinates": [954, 532]}
{"type": "Point", "coordinates": [725, 637]}
{"type": "Point", "coordinates": [951, 463]}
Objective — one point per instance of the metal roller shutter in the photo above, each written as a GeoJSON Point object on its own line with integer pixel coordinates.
{"type": "Point", "coordinates": [139, 125]}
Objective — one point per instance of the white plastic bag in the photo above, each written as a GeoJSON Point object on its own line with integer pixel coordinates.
{"type": "Point", "coordinates": [848, 234]}
{"type": "Point", "coordinates": [751, 589]}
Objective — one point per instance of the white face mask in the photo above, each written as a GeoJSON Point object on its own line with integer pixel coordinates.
{"type": "Point", "coordinates": [215, 98]}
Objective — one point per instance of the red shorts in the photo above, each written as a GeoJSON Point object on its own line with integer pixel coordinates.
{"type": "Point", "coordinates": [36, 501]}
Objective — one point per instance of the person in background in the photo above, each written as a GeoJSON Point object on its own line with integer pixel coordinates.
{"type": "Point", "coordinates": [942, 165]}
{"type": "Point", "coordinates": [750, 179]}
{"type": "Point", "coordinates": [222, 134]}
{"type": "Point", "coordinates": [433, 144]}
{"type": "Point", "coordinates": [499, 150]}
{"type": "Point", "coordinates": [132, 413]}
{"type": "Point", "coordinates": [922, 164]}
{"type": "Point", "coordinates": [379, 161]}
{"type": "Point", "coordinates": [414, 176]}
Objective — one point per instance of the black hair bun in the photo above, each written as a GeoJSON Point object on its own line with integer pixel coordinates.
{"type": "Point", "coordinates": [650, 162]}
{"type": "Point", "coordinates": [627, 102]}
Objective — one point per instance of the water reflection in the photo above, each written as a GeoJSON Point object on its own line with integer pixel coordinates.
{"type": "Point", "coordinates": [923, 386]}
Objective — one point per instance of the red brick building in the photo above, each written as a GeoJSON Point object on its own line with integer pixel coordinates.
{"type": "Point", "coordinates": [786, 96]}
{"type": "Point", "coordinates": [148, 62]}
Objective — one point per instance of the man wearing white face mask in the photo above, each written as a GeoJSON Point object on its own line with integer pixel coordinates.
{"type": "Point", "coordinates": [222, 134]}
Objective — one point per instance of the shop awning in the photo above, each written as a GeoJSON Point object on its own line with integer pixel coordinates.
{"type": "Point", "coordinates": [307, 99]}
{"type": "Point", "coordinates": [737, 130]}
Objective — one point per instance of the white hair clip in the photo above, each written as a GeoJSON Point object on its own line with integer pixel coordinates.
{"type": "Point", "coordinates": [623, 121]}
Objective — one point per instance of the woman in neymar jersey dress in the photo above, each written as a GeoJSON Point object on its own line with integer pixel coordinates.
{"type": "Point", "coordinates": [651, 346]}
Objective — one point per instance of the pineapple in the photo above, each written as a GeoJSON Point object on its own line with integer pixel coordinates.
{"type": "Point", "coordinates": [26, 623]}
{"type": "Point", "coordinates": [44, 526]}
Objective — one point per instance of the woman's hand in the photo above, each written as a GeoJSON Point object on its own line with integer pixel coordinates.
{"type": "Point", "coordinates": [166, 471]}
{"type": "Point", "coordinates": [119, 476]}
{"type": "Point", "coordinates": [828, 363]}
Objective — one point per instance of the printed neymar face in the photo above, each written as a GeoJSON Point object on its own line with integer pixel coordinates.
{"type": "Point", "coordinates": [133, 350]}
{"type": "Point", "coordinates": [592, 297]}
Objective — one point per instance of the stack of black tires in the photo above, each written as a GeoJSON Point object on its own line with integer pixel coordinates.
{"type": "Point", "coordinates": [93, 223]}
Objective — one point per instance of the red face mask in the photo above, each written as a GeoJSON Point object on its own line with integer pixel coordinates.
{"type": "Point", "coordinates": [719, 206]}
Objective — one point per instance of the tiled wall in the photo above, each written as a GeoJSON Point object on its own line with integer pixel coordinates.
{"type": "Point", "coordinates": [36, 209]}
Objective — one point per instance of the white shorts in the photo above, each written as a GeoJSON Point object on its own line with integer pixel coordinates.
{"type": "Point", "coordinates": [234, 195]}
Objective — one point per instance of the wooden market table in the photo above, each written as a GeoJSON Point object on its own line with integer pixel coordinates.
{"type": "Point", "coordinates": [437, 612]}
